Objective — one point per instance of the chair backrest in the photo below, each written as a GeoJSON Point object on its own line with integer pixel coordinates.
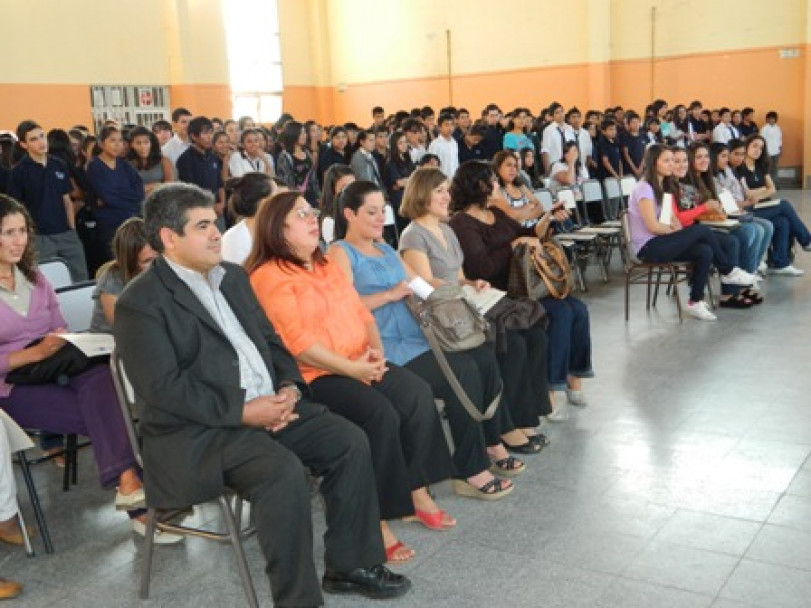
{"type": "Point", "coordinates": [613, 198]}
{"type": "Point", "coordinates": [627, 184]}
{"type": "Point", "coordinates": [626, 238]}
{"type": "Point", "coordinates": [572, 209]}
{"type": "Point", "coordinates": [544, 196]}
{"type": "Point", "coordinates": [76, 304]}
{"type": "Point", "coordinates": [126, 401]}
{"type": "Point", "coordinates": [592, 195]}
{"type": "Point", "coordinates": [56, 271]}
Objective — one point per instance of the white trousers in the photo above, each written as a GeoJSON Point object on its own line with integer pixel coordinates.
{"type": "Point", "coordinates": [8, 489]}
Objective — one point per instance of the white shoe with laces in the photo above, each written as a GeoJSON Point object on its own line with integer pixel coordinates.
{"type": "Point", "coordinates": [559, 411]}
{"type": "Point", "coordinates": [737, 276]}
{"type": "Point", "coordinates": [700, 310]}
{"type": "Point", "coordinates": [787, 271]}
{"type": "Point", "coordinates": [576, 398]}
{"type": "Point", "coordinates": [763, 268]}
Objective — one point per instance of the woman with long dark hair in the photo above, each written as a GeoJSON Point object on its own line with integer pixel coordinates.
{"type": "Point", "coordinates": [295, 165]}
{"type": "Point", "coordinates": [145, 155]}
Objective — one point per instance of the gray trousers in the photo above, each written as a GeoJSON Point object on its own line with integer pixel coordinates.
{"type": "Point", "coordinates": [65, 245]}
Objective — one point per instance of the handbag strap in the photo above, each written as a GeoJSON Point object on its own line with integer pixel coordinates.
{"type": "Point", "coordinates": [548, 274]}
{"type": "Point", "coordinates": [471, 409]}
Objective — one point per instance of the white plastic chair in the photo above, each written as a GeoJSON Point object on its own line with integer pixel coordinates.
{"type": "Point", "coordinates": [76, 304]}
{"type": "Point", "coordinates": [56, 271]}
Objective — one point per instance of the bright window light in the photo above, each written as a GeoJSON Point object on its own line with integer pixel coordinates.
{"type": "Point", "coordinates": [254, 58]}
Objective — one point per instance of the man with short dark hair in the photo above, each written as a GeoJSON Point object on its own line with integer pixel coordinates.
{"type": "Point", "coordinates": [412, 128]}
{"type": "Point", "coordinates": [445, 146]}
{"type": "Point", "coordinates": [198, 165]}
{"type": "Point", "coordinates": [494, 135]}
{"type": "Point", "coordinates": [223, 406]}
{"type": "Point", "coordinates": [41, 182]}
{"type": "Point", "coordinates": [179, 142]}
{"type": "Point", "coordinates": [378, 118]}
{"type": "Point", "coordinates": [470, 144]}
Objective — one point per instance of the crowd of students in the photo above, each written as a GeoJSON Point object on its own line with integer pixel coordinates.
{"type": "Point", "coordinates": [335, 293]}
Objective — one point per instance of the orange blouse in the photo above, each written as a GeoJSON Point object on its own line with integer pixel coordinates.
{"type": "Point", "coordinates": [309, 307]}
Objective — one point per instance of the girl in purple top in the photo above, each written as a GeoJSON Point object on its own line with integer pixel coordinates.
{"type": "Point", "coordinates": [655, 242]}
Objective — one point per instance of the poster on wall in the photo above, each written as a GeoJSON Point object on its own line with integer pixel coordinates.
{"type": "Point", "coordinates": [145, 97]}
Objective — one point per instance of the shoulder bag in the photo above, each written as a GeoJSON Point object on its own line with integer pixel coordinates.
{"type": "Point", "coordinates": [539, 270]}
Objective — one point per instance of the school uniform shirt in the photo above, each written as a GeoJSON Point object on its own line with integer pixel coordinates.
{"type": "Point", "coordinates": [239, 164]}
{"type": "Point", "coordinates": [747, 130]}
{"type": "Point", "coordinates": [41, 188]}
{"type": "Point", "coordinates": [467, 153]}
{"type": "Point", "coordinates": [364, 167]}
{"type": "Point", "coordinates": [4, 175]}
{"type": "Point", "coordinates": [416, 153]}
{"type": "Point", "coordinates": [724, 133]}
{"type": "Point", "coordinates": [554, 136]}
{"type": "Point", "coordinates": [610, 149]}
{"type": "Point", "coordinates": [201, 168]}
{"type": "Point", "coordinates": [635, 144]}
{"type": "Point", "coordinates": [585, 146]}
{"type": "Point", "coordinates": [448, 152]}
{"type": "Point", "coordinates": [696, 126]}
{"type": "Point", "coordinates": [120, 191]}
{"type": "Point", "coordinates": [774, 138]}
{"type": "Point", "coordinates": [173, 148]}
{"type": "Point", "coordinates": [491, 142]}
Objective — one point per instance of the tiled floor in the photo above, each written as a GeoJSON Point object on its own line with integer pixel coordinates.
{"type": "Point", "coordinates": [686, 483]}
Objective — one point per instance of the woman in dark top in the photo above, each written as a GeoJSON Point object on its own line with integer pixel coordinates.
{"type": "Point", "coordinates": [754, 172]}
{"type": "Point", "coordinates": [487, 236]}
{"type": "Point", "coordinates": [398, 169]}
{"type": "Point", "coordinates": [145, 155]}
{"type": "Point", "coordinates": [117, 186]}
{"type": "Point", "coordinates": [334, 153]}
{"type": "Point", "coordinates": [295, 165]}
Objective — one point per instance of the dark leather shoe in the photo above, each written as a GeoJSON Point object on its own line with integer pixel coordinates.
{"type": "Point", "coordinates": [377, 582]}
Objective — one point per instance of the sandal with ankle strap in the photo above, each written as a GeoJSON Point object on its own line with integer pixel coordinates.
{"type": "Point", "coordinates": [509, 467]}
{"type": "Point", "coordinates": [492, 490]}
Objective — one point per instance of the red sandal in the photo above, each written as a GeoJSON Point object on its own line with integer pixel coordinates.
{"type": "Point", "coordinates": [433, 521]}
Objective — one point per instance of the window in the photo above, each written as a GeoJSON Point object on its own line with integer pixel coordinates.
{"type": "Point", "coordinates": [254, 58]}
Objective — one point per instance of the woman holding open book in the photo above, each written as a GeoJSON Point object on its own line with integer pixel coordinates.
{"type": "Point", "coordinates": [658, 236]}
{"type": "Point", "coordinates": [430, 248]}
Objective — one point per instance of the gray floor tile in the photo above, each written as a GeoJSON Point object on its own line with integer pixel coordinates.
{"type": "Point", "coordinates": [768, 585]}
{"type": "Point", "coordinates": [784, 546]}
{"type": "Point", "coordinates": [711, 532]}
{"type": "Point", "coordinates": [794, 512]}
{"type": "Point", "coordinates": [624, 593]}
{"type": "Point", "coordinates": [801, 484]}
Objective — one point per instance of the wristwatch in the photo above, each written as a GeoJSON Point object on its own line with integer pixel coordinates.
{"type": "Point", "coordinates": [294, 386]}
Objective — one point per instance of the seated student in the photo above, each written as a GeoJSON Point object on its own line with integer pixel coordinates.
{"type": "Point", "coordinates": [653, 131]}
{"type": "Point", "coordinates": [252, 156]}
{"type": "Point", "coordinates": [145, 155]}
{"type": "Point", "coordinates": [333, 153]}
{"type": "Point", "coordinates": [513, 197]}
{"type": "Point", "coordinates": [117, 186]}
{"type": "Point", "coordinates": [337, 345]}
{"type": "Point", "coordinates": [363, 164]}
{"type": "Point", "coordinates": [430, 248]}
{"type": "Point", "coordinates": [609, 157]}
{"type": "Point", "coordinates": [753, 171]}
{"type": "Point", "coordinates": [697, 127]}
{"type": "Point", "coordinates": [696, 196]}
{"type": "Point", "coordinates": [131, 256]}
{"type": "Point", "coordinates": [41, 183]}
{"type": "Point", "coordinates": [247, 193]}
{"type": "Point", "coordinates": [85, 403]}
{"type": "Point", "coordinates": [445, 146]}
{"type": "Point", "coordinates": [773, 136]}
{"type": "Point", "coordinates": [632, 145]}
{"type": "Point", "coordinates": [653, 241]}
{"type": "Point", "coordinates": [568, 172]}
{"type": "Point", "coordinates": [380, 277]}
{"type": "Point", "coordinates": [725, 131]}
{"type": "Point", "coordinates": [222, 407]}
{"type": "Point", "coordinates": [487, 237]}
{"type": "Point", "coordinates": [396, 173]}
{"type": "Point", "coordinates": [725, 179]}
{"type": "Point", "coordinates": [680, 127]}
{"type": "Point", "coordinates": [585, 143]}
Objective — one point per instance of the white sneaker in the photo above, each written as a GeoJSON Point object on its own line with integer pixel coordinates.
{"type": "Point", "coordinates": [576, 398]}
{"type": "Point", "coordinates": [763, 268]}
{"type": "Point", "coordinates": [700, 310]}
{"type": "Point", "coordinates": [736, 276]}
{"type": "Point", "coordinates": [788, 271]}
{"type": "Point", "coordinates": [559, 411]}
{"type": "Point", "coordinates": [161, 537]}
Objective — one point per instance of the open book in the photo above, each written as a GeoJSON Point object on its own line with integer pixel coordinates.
{"type": "Point", "coordinates": [92, 345]}
{"type": "Point", "coordinates": [769, 203]}
{"type": "Point", "coordinates": [483, 300]}
{"type": "Point", "coordinates": [666, 214]}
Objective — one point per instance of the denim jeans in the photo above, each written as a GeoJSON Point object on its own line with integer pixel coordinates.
{"type": "Point", "coordinates": [786, 225]}
{"type": "Point", "coordinates": [569, 340]}
{"type": "Point", "coordinates": [766, 239]}
{"type": "Point", "coordinates": [749, 236]}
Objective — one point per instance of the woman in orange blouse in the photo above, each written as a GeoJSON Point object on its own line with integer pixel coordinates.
{"type": "Point", "coordinates": [323, 322]}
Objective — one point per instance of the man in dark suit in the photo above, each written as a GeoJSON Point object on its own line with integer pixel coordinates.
{"type": "Point", "coordinates": [222, 406]}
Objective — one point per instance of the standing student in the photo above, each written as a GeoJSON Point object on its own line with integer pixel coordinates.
{"type": "Point", "coordinates": [463, 123]}
{"type": "Point", "coordinates": [145, 155]}
{"type": "Point", "coordinates": [413, 131]}
{"type": "Point", "coordinates": [363, 164]}
{"type": "Point", "coordinates": [555, 135]}
{"type": "Point", "coordinates": [251, 157]}
{"type": "Point", "coordinates": [609, 157]}
{"type": "Point", "coordinates": [41, 182]}
{"type": "Point", "coordinates": [773, 136]}
{"type": "Point", "coordinates": [334, 153]}
{"type": "Point", "coordinates": [179, 142]}
{"type": "Point", "coordinates": [445, 146]}
{"type": "Point", "coordinates": [381, 151]}
{"type": "Point", "coordinates": [653, 131]}
{"type": "Point", "coordinates": [117, 187]}
{"type": "Point", "coordinates": [633, 144]}
{"type": "Point", "coordinates": [493, 137]}
{"type": "Point", "coordinates": [294, 165]}
{"type": "Point", "coordinates": [516, 136]}
{"type": "Point", "coordinates": [748, 126]}
{"type": "Point", "coordinates": [470, 145]}
{"type": "Point", "coordinates": [585, 145]}
{"type": "Point", "coordinates": [397, 172]}
{"type": "Point", "coordinates": [198, 165]}
{"type": "Point", "coordinates": [162, 130]}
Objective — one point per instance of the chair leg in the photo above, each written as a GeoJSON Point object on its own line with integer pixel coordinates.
{"type": "Point", "coordinates": [149, 545]}
{"type": "Point", "coordinates": [29, 549]}
{"type": "Point", "coordinates": [242, 563]}
{"type": "Point", "coordinates": [650, 283]}
{"type": "Point", "coordinates": [627, 296]}
{"type": "Point", "coordinates": [35, 504]}
{"type": "Point", "coordinates": [674, 279]}
{"type": "Point", "coordinates": [73, 454]}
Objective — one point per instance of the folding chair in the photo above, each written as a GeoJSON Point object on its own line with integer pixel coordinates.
{"type": "Point", "coordinates": [614, 202]}
{"type": "Point", "coordinates": [126, 400]}
{"type": "Point", "coordinates": [76, 304]}
{"type": "Point", "coordinates": [56, 271]}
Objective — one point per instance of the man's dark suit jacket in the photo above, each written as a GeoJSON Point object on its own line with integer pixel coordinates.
{"type": "Point", "coordinates": [186, 378]}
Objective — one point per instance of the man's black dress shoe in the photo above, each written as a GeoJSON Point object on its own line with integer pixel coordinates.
{"type": "Point", "coordinates": [377, 582]}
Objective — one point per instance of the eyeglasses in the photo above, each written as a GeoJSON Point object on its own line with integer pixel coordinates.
{"type": "Point", "coordinates": [306, 214]}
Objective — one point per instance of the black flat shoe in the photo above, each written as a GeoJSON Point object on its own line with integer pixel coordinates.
{"type": "Point", "coordinates": [736, 302]}
{"type": "Point", "coordinates": [377, 582]}
{"type": "Point", "coordinates": [753, 296]}
{"type": "Point", "coordinates": [530, 447]}
{"type": "Point", "coordinates": [541, 439]}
